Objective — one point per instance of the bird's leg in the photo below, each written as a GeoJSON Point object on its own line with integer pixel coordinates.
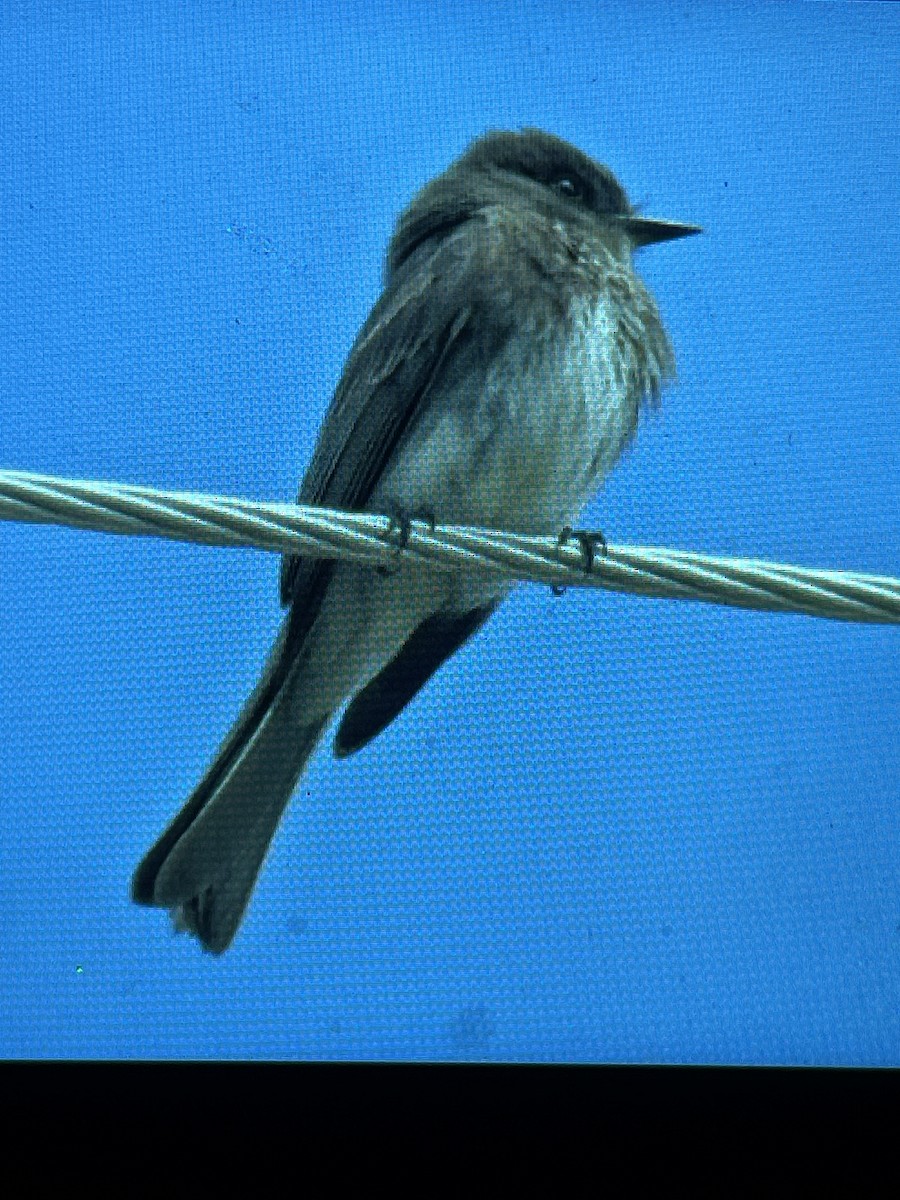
{"type": "Point", "coordinates": [401, 521]}
{"type": "Point", "coordinates": [589, 540]}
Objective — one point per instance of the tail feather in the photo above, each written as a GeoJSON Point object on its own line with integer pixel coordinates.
{"type": "Point", "coordinates": [205, 865]}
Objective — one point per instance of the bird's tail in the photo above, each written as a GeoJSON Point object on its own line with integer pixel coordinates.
{"type": "Point", "coordinates": [205, 865]}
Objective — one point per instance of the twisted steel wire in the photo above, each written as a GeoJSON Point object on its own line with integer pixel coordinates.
{"type": "Point", "coordinates": [377, 540]}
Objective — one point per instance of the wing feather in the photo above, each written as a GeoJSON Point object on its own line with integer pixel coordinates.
{"type": "Point", "coordinates": [425, 325]}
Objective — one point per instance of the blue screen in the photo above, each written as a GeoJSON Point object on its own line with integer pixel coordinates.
{"type": "Point", "coordinates": [611, 829]}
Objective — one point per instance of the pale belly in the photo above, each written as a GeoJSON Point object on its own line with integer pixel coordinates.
{"type": "Point", "coordinates": [524, 455]}
{"type": "Point", "coordinates": [527, 453]}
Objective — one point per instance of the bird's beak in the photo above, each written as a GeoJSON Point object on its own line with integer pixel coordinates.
{"type": "Point", "coordinates": [644, 231]}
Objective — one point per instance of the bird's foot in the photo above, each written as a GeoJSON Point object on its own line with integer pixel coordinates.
{"type": "Point", "coordinates": [590, 541]}
{"type": "Point", "coordinates": [401, 524]}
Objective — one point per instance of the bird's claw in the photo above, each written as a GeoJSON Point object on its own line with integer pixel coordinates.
{"type": "Point", "coordinates": [589, 540]}
{"type": "Point", "coordinates": [400, 522]}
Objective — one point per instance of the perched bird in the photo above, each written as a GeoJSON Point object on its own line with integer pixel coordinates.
{"type": "Point", "coordinates": [495, 383]}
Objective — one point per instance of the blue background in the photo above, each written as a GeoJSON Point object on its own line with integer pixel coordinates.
{"type": "Point", "coordinates": [611, 829]}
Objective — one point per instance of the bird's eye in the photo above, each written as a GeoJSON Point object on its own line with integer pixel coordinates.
{"type": "Point", "coordinates": [567, 186]}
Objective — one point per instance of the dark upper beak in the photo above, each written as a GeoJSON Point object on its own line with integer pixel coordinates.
{"type": "Point", "coordinates": [644, 231]}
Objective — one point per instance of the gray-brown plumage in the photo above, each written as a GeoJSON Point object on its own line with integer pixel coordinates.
{"type": "Point", "coordinates": [496, 381]}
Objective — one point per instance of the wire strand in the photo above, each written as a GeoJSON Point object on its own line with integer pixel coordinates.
{"type": "Point", "coordinates": [376, 540]}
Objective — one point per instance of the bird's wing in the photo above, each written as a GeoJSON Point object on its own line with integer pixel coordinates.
{"type": "Point", "coordinates": [428, 325]}
{"type": "Point", "coordinates": [385, 697]}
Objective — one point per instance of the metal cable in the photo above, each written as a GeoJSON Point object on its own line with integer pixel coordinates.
{"type": "Point", "coordinates": [376, 540]}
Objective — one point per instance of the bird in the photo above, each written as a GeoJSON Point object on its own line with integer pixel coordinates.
{"type": "Point", "coordinates": [496, 382]}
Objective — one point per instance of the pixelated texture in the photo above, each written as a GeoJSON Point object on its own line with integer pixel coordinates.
{"type": "Point", "coordinates": [610, 829]}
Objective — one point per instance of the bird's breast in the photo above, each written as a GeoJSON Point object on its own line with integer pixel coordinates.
{"type": "Point", "coordinates": [524, 446]}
